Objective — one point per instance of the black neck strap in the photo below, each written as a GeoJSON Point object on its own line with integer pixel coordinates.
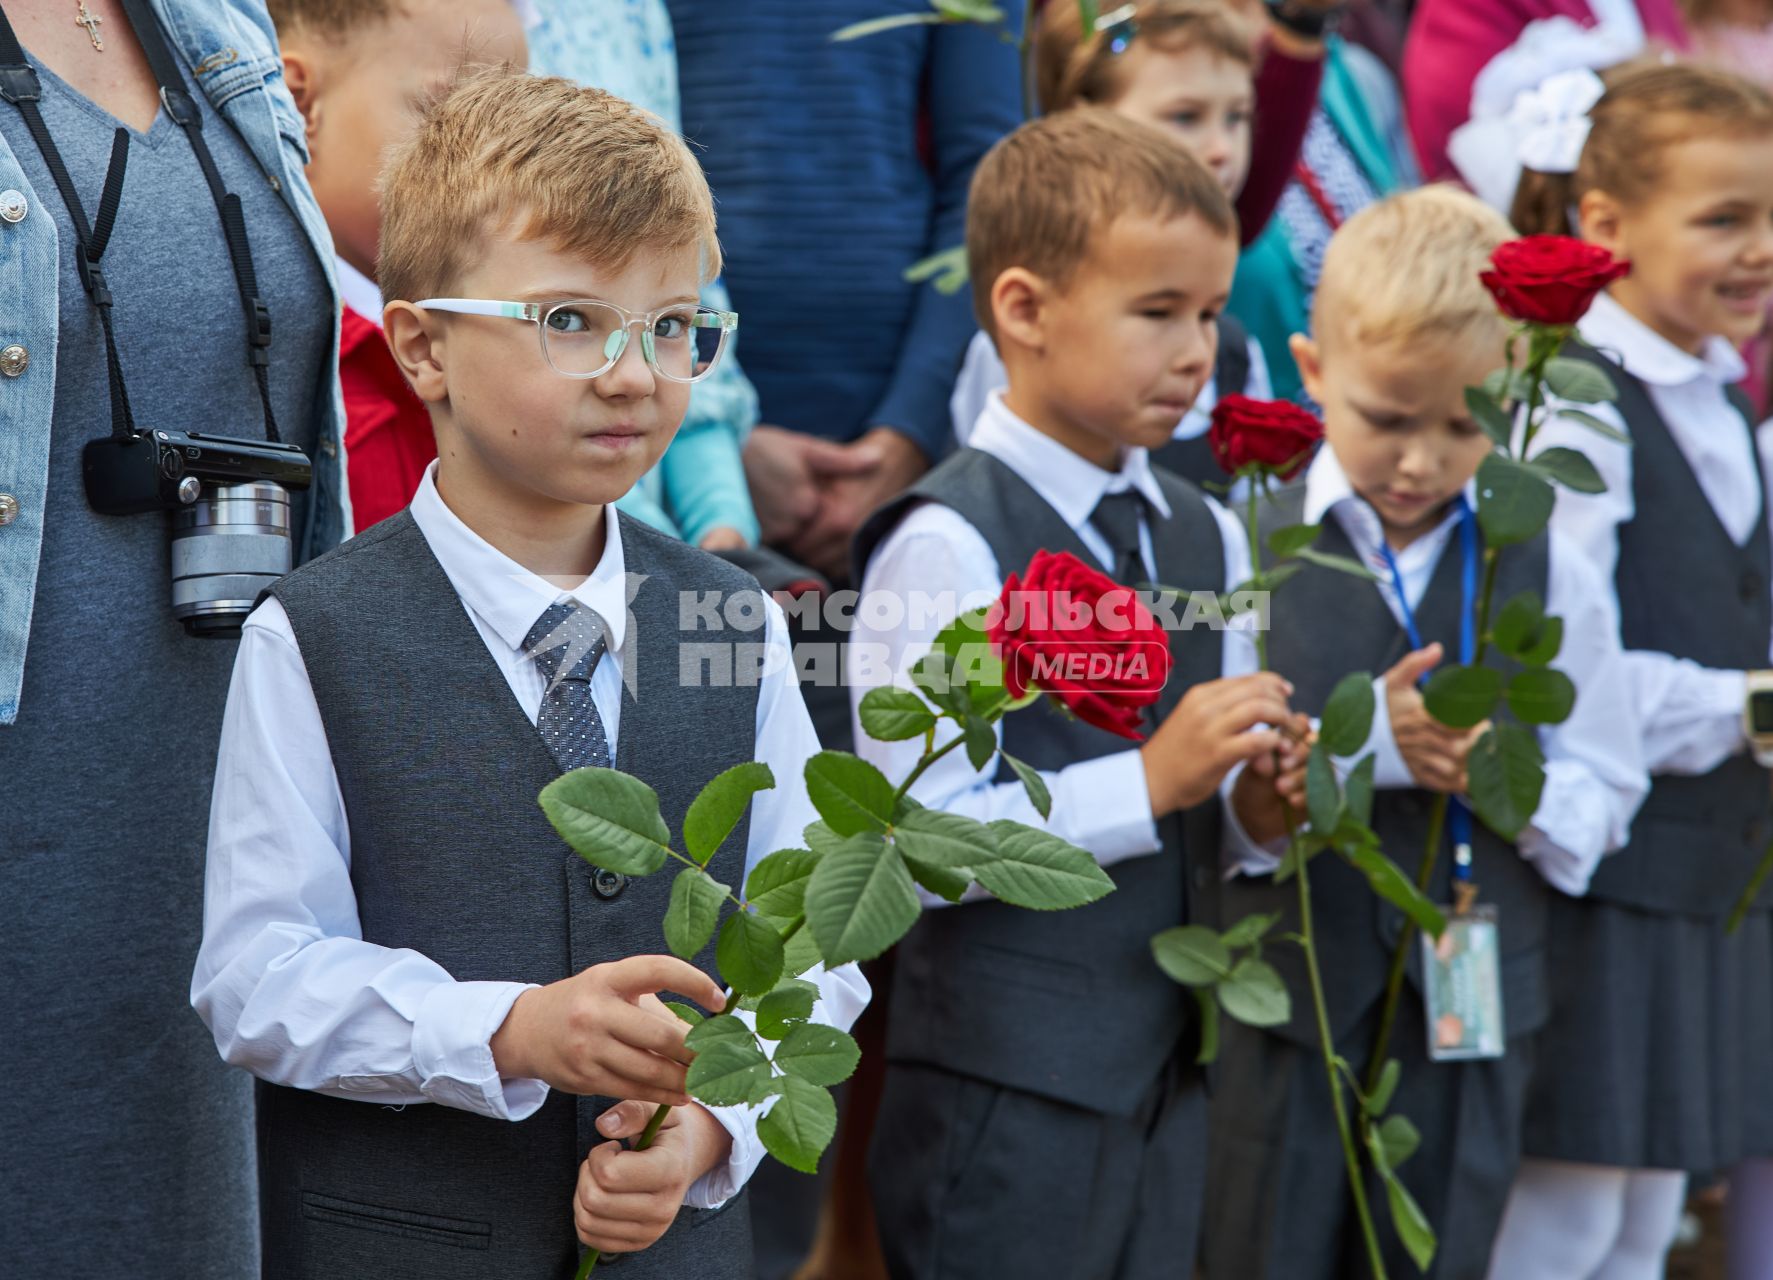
{"type": "Point", "coordinates": [20, 86]}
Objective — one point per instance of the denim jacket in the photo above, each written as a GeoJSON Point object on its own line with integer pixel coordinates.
{"type": "Point", "coordinates": [232, 48]}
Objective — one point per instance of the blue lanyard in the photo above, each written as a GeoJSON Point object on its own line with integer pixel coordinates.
{"type": "Point", "coordinates": [1459, 816]}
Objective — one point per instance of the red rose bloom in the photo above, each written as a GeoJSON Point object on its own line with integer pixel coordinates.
{"type": "Point", "coordinates": [1083, 639]}
{"type": "Point", "coordinates": [1277, 434]}
{"type": "Point", "coordinates": [1550, 279]}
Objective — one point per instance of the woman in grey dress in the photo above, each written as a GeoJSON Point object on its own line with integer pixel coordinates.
{"type": "Point", "coordinates": [127, 1142]}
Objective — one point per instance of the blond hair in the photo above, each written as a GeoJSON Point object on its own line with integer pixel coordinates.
{"type": "Point", "coordinates": [1044, 194]}
{"type": "Point", "coordinates": [1408, 267]}
{"type": "Point", "coordinates": [1648, 107]}
{"type": "Point", "coordinates": [544, 159]}
{"type": "Point", "coordinates": [1068, 69]}
{"type": "Point", "coordinates": [330, 19]}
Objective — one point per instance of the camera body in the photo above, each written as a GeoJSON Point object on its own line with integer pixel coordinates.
{"type": "Point", "coordinates": [229, 500]}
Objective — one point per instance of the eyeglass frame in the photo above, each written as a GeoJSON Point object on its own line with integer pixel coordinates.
{"type": "Point", "coordinates": [1126, 19]}
{"type": "Point", "coordinates": [537, 313]}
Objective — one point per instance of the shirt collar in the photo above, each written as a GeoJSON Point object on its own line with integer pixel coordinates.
{"type": "Point", "coordinates": [1071, 484]}
{"type": "Point", "coordinates": [359, 292]}
{"type": "Point", "coordinates": [1652, 358]}
{"type": "Point", "coordinates": [1327, 489]}
{"type": "Point", "coordinates": [508, 597]}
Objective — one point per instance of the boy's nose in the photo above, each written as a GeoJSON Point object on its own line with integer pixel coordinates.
{"type": "Point", "coordinates": [630, 378]}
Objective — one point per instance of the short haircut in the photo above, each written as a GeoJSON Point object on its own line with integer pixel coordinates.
{"type": "Point", "coordinates": [1044, 194]}
{"type": "Point", "coordinates": [1408, 267]}
{"type": "Point", "coordinates": [542, 159]}
{"type": "Point", "coordinates": [331, 19]}
{"type": "Point", "coordinates": [1068, 69]}
{"type": "Point", "coordinates": [1648, 107]}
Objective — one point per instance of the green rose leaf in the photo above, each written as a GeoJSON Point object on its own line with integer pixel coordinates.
{"type": "Point", "coordinates": [1323, 798]}
{"type": "Point", "coordinates": [934, 674]}
{"type": "Point", "coordinates": [776, 889]}
{"type": "Point", "coordinates": [694, 911]}
{"type": "Point", "coordinates": [1546, 645]}
{"type": "Point", "coordinates": [1599, 426]}
{"type": "Point", "coordinates": [685, 1013]}
{"type": "Point", "coordinates": [1323, 560]}
{"type": "Point", "coordinates": [849, 793]}
{"type": "Point", "coordinates": [1032, 783]}
{"type": "Point", "coordinates": [1461, 697]}
{"type": "Point", "coordinates": [820, 838]}
{"type": "Point", "coordinates": [860, 900]}
{"type": "Point", "coordinates": [1541, 695]}
{"type": "Point", "coordinates": [1518, 624]}
{"type": "Point", "coordinates": [1489, 414]}
{"type": "Point", "coordinates": [717, 808]}
{"type": "Point", "coordinates": [1383, 1092]}
{"type": "Point", "coordinates": [1397, 1139]}
{"type": "Point", "coordinates": [721, 1028]}
{"type": "Point", "coordinates": [818, 1054]}
{"type": "Point", "coordinates": [728, 1071]}
{"type": "Point", "coordinates": [1040, 871]}
{"type": "Point", "coordinates": [1569, 468]}
{"type": "Point", "coordinates": [1292, 539]}
{"type": "Point", "coordinates": [801, 955]}
{"type": "Point", "coordinates": [611, 819]}
{"type": "Point", "coordinates": [944, 839]}
{"type": "Point", "coordinates": [981, 741]}
{"type": "Point", "coordinates": [1502, 386]}
{"type": "Point", "coordinates": [1248, 931]}
{"type": "Point", "coordinates": [1192, 955]}
{"type": "Point", "coordinates": [781, 1009]}
{"type": "Point", "coordinates": [1514, 502]}
{"type": "Point", "coordinates": [1348, 715]}
{"type": "Point", "coordinates": [1357, 791]}
{"type": "Point", "coordinates": [1407, 1217]}
{"type": "Point", "coordinates": [893, 715]}
{"type": "Point", "coordinates": [1506, 774]}
{"type": "Point", "coordinates": [749, 954]}
{"type": "Point", "coordinates": [1389, 882]}
{"type": "Point", "coordinates": [1255, 995]}
{"type": "Point", "coordinates": [798, 1128]}
{"type": "Point", "coordinates": [1209, 1026]}
{"type": "Point", "coordinates": [1578, 382]}
{"type": "Point", "coordinates": [944, 882]}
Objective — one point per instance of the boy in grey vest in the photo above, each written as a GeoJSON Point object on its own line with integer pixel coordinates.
{"type": "Point", "coordinates": [1041, 1111]}
{"type": "Point", "coordinates": [1401, 327]}
{"type": "Point", "coordinates": [389, 918]}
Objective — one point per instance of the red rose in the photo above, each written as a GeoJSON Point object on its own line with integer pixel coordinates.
{"type": "Point", "coordinates": [1550, 279]}
{"type": "Point", "coordinates": [1075, 634]}
{"type": "Point", "coordinates": [1277, 434]}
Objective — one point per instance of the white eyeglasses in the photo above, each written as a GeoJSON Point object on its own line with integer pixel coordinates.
{"type": "Point", "coordinates": [585, 337]}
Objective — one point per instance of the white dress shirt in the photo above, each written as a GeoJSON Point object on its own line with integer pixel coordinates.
{"type": "Point", "coordinates": [982, 374]}
{"type": "Point", "coordinates": [359, 292]}
{"type": "Point", "coordinates": [284, 979]}
{"type": "Point", "coordinates": [1100, 805]}
{"type": "Point", "coordinates": [1594, 776]}
{"type": "Point", "coordinates": [1691, 715]}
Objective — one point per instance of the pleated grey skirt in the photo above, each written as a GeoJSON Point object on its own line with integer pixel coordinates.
{"type": "Point", "coordinates": [1659, 1053]}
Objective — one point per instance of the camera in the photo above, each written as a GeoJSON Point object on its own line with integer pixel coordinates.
{"type": "Point", "coordinates": [229, 500]}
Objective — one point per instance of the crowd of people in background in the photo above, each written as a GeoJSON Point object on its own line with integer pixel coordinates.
{"type": "Point", "coordinates": [1350, 164]}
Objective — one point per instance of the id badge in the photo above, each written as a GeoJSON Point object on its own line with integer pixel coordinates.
{"type": "Point", "coordinates": [1463, 988]}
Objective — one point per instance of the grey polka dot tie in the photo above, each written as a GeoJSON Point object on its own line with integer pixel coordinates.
{"type": "Point", "coordinates": [566, 643]}
{"type": "Point", "coordinates": [1117, 518]}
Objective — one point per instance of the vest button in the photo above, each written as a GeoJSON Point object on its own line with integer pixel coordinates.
{"type": "Point", "coordinates": [8, 509]}
{"type": "Point", "coordinates": [13, 360]}
{"type": "Point", "coordinates": [12, 206]}
{"type": "Point", "coordinates": [1751, 586]}
{"type": "Point", "coordinates": [608, 884]}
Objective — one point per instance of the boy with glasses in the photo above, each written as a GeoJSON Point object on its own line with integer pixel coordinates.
{"type": "Point", "coordinates": [389, 917]}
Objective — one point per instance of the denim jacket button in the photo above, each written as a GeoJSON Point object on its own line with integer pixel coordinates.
{"type": "Point", "coordinates": [12, 206]}
{"type": "Point", "coordinates": [8, 509]}
{"type": "Point", "coordinates": [13, 360]}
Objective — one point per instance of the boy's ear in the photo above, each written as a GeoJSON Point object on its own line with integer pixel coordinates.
{"type": "Point", "coordinates": [300, 75]}
{"type": "Point", "coordinates": [1309, 357]}
{"type": "Point", "coordinates": [1600, 220]}
{"type": "Point", "coordinates": [1018, 308]}
{"type": "Point", "coordinates": [417, 349]}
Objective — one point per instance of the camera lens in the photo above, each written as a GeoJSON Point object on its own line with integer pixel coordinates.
{"type": "Point", "coordinates": [227, 547]}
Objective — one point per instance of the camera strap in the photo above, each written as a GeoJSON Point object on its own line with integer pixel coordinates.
{"type": "Point", "coordinates": [19, 85]}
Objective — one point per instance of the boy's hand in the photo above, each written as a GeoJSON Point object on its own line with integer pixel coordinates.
{"type": "Point", "coordinates": [603, 1031]}
{"type": "Point", "coordinates": [626, 1199]}
{"type": "Point", "coordinates": [1434, 754]}
{"type": "Point", "coordinates": [1270, 786]}
{"type": "Point", "coordinates": [723, 537]}
{"type": "Point", "coordinates": [1210, 731]}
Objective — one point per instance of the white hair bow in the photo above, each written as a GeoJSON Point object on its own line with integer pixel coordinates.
{"type": "Point", "coordinates": [1552, 121]}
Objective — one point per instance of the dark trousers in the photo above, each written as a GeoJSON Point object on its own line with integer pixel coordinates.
{"type": "Point", "coordinates": [1278, 1205]}
{"type": "Point", "coordinates": [975, 1181]}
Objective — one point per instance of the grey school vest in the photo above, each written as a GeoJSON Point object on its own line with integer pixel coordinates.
{"type": "Point", "coordinates": [1067, 1005]}
{"type": "Point", "coordinates": [452, 856]}
{"type": "Point", "coordinates": [1685, 588]}
{"type": "Point", "coordinates": [1324, 625]}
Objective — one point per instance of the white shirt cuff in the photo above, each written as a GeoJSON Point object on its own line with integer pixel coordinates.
{"type": "Point", "coordinates": [1104, 806]}
{"type": "Point", "coordinates": [452, 1050]}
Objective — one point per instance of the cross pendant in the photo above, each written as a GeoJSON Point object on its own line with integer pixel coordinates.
{"type": "Point", "coordinates": [87, 20]}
